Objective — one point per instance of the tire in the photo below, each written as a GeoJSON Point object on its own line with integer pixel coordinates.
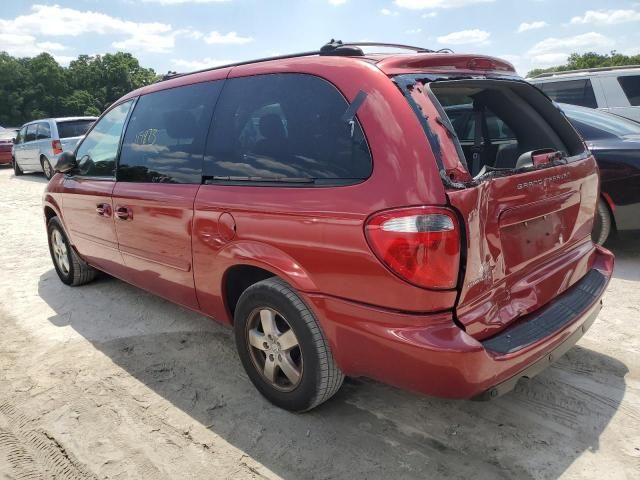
{"type": "Point", "coordinates": [17, 171]}
{"type": "Point", "coordinates": [602, 223]}
{"type": "Point", "coordinates": [47, 169]}
{"type": "Point", "coordinates": [71, 269]}
{"type": "Point", "coordinates": [319, 376]}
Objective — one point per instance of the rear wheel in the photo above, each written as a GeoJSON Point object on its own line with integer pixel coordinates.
{"type": "Point", "coordinates": [602, 223]}
{"type": "Point", "coordinates": [17, 171]}
{"type": "Point", "coordinates": [47, 168]}
{"type": "Point", "coordinates": [71, 269]}
{"type": "Point", "coordinates": [282, 348]}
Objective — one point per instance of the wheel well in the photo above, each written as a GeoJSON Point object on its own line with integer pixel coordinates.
{"type": "Point", "coordinates": [238, 279]}
{"type": "Point", "coordinates": [49, 213]}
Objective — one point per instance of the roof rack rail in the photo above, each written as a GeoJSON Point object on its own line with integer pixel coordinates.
{"type": "Point", "coordinates": [337, 47]}
{"type": "Point", "coordinates": [333, 47]}
{"type": "Point", "coordinates": [586, 70]}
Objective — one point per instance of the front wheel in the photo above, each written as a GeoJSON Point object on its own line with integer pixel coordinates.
{"type": "Point", "coordinates": [71, 269]}
{"type": "Point", "coordinates": [602, 223]}
{"type": "Point", "coordinates": [282, 347]}
{"type": "Point", "coordinates": [17, 171]}
{"type": "Point", "coordinates": [47, 168]}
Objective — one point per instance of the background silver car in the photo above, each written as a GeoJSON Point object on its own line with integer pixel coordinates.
{"type": "Point", "coordinates": [612, 89]}
{"type": "Point", "coordinates": [39, 143]}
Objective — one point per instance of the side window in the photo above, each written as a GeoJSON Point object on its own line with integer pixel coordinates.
{"type": "Point", "coordinates": [43, 132]}
{"type": "Point", "coordinates": [631, 86]}
{"type": "Point", "coordinates": [285, 126]}
{"type": "Point", "coordinates": [30, 136]}
{"type": "Point", "coordinates": [166, 135]}
{"type": "Point", "coordinates": [21, 135]}
{"type": "Point", "coordinates": [574, 92]}
{"type": "Point", "coordinates": [98, 152]}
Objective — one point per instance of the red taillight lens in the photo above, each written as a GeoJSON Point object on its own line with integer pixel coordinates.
{"type": "Point", "coordinates": [421, 245]}
{"type": "Point", "coordinates": [57, 147]}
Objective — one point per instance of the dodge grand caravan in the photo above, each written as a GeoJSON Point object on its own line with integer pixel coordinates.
{"type": "Point", "coordinates": [323, 205]}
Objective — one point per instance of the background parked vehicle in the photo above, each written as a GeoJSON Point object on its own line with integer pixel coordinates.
{"type": "Point", "coordinates": [612, 89]}
{"type": "Point", "coordinates": [39, 143]}
{"type": "Point", "coordinates": [6, 144]}
{"type": "Point", "coordinates": [615, 142]}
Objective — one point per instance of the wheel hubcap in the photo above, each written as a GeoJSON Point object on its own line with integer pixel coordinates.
{"type": "Point", "coordinates": [60, 253]}
{"type": "Point", "coordinates": [275, 350]}
{"type": "Point", "coordinates": [47, 169]}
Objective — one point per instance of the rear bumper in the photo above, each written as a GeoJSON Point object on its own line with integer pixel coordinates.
{"type": "Point", "coordinates": [429, 354]}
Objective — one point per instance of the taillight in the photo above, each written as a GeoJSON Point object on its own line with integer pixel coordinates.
{"type": "Point", "coordinates": [57, 147]}
{"type": "Point", "coordinates": [421, 244]}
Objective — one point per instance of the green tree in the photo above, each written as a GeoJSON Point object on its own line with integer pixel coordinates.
{"type": "Point", "coordinates": [38, 87]}
{"type": "Point", "coordinates": [578, 61]}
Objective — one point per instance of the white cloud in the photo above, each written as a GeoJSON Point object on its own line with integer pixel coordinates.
{"type": "Point", "coordinates": [178, 2]}
{"type": "Point", "coordinates": [337, 2]}
{"type": "Point", "coordinates": [585, 41]}
{"type": "Point", "coordinates": [24, 45]}
{"type": "Point", "coordinates": [199, 64]}
{"type": "Point", "coordinates": [231, 38]}
{"type": "Point", "coordinates": [553, 51]}
{"type": "Point", "coordinates": [525, 27]}
{"type": "Point", "coordinates": [607, 17]}
{"type": "Point", "coordinates": [424, 4]}
{"type": "Point", "coordinates": [56, 21]}
{"type": "Point", "coordinates": [463, 37]}
{"type": "Point", "coordinates": [429, 15]}
{"type": "Point", "coordinates": [391, 13]}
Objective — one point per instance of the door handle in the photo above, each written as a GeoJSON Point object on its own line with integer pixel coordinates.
{"type": "Point", "coordinates": [103, 209]}
{"type": "Point", "coordinates": [124, 213]}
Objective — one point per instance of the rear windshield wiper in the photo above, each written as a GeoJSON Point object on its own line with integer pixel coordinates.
{"type": "Point", "coordinates": [232, 179]}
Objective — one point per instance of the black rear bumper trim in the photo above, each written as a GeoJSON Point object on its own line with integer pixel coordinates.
{"type": "Point", "coordinates": [549, 358]}
{"type": "Point", "coordinates": [563, 311]}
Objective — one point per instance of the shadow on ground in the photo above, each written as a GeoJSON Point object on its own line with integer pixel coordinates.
{"type": "Point", "coordinates": [368, 430]}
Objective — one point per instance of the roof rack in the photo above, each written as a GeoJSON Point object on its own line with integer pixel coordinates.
{"type": "Point", "coordinates": [586, 70]}
{"type": "Point", "coordinates": [331, 48]}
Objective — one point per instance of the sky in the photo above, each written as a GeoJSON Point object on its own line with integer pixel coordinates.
{"type": "Point", "coordinates": [184, 35]}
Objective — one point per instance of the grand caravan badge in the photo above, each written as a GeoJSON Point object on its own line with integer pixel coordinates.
{"type": "Point", "coordinates": [543, 181]}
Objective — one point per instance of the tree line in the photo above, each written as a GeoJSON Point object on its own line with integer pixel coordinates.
{"type": "Point", "coordinates": [38, 87]}
{"type": "Point", "coordinates": [578, 61]}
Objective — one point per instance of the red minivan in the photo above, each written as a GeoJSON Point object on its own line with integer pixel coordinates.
{"type": "Point", "coordinates": [325, 206]}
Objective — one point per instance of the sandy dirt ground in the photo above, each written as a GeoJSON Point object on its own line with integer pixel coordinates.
{"type": "Point", "coordinates": [107, 381]}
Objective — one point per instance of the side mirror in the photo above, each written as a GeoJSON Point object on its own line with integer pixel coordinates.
{"type": "Point", "coordinates": [66, 162]}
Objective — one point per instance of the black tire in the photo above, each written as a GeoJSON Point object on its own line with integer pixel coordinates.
{"type": "Point", "coordinates": [47, 169]}
{"type": "Point", "coordinates": [17, 171]}
{"type": "Point", "coordinates": [602, 223]}
{"type": "Point", "coordinates": [320, 377]}
{"type": "Point", "coordinates": [78, 271]}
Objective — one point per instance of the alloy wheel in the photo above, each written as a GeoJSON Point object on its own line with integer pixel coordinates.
{"type": "Point", "coordinates": [275, 350]}
{"type": "Point", "coordinates": [60, 252]}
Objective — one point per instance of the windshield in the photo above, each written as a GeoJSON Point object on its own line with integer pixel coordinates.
{"type": "Point", "coordinates": [606, 122]}
{"type": "Point", "coordinates": [74, 128]}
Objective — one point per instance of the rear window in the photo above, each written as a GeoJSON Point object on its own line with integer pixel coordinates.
{"type": "Point", "coordinates": [285, 127]}
{"type": "Point", "coordinates": [631, 86]}
{"type": "Point", "coordinates": [73, 128]}
{"type": "Point", "coordinates": [575, 92]}
{"type": "Point", "coordinates": [499, 124]}
{"type": "Point", "coordinates": [7, 135]}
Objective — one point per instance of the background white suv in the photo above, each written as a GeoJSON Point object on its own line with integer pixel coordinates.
{"type": "Point", "coordinates": [39, 143]}
{"type": "Point", "coordinates": [614, 89]}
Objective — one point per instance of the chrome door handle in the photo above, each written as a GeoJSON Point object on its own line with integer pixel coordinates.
{"type": "Point", "coordinates": [124, 213]}
{"type": "Point", "coordinates": [103, 209]}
